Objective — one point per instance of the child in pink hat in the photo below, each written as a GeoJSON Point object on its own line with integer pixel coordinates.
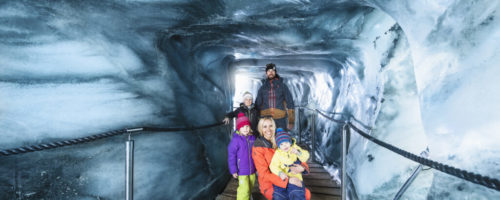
{"type": "Point", "coordinates": [239, 157]}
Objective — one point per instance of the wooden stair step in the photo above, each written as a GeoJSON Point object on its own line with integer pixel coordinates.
{"type": "Point", "coordinates": [317, 175]}
{"type": "Point", "coordinates": [314, 165]}
{"type": "Point", "coordinates": [320, 182]}
{"type": "Point", "coordinates": [325, 190]}
{"type": "Point", "coordinates": [316, 169]}
{"type": "Point", "coordinates": [230, 195]}
{"type": "Point", "coordinates": [225, 197]}
{"type": "Point", "coordinates": [256, 195]}
{"type": "Point", "coordinates": [324, 197]}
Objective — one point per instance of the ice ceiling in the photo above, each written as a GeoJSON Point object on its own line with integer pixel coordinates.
{"type": "Point", "coordinates": [422, 73]}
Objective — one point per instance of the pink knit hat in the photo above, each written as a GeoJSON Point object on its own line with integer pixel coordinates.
{"type": "Point", "coordinates": [242, 121]}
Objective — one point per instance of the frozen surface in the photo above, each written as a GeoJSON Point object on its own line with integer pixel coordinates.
{"type": "Point", "coordinates": [421, 73]}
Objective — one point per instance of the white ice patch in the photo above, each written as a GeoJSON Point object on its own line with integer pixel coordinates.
{"type": "Point", "coordinates": [244, 83]}
{"type": "Point", "coordinates": [31, 113]}
{"type": "Point", "coordinates": [68, 58]}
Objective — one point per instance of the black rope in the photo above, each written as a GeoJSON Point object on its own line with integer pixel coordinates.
{"type": "Point", "coordinates": [158, 129]}
{"type": "Point", "coordinates": [459, 173]}
{"type": "Point", "coordinates": [332, 119]}
{"type": "Point", "coordinates": [333, 113]}
{"type": "Point", "coordinates": [52, 145]}
{"type": "Point", "coordinates": [340, 121]}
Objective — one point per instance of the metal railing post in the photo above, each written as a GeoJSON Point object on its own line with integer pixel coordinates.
{"type": "Point", "coordinates": [313, 135]}
{"type": "Point", "coordinates": [413, 176]}
{"type": "Point", "coordinates": [129, 169]}
{"type": "Point", "coordinates": [298, 125]}
{"type": "Point", "coordinates": [344, 154]}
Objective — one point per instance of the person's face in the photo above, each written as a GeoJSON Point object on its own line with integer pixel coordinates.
{"type": "Point", "coordinates": [270, 74]}
{"type": "Point", "coordinates": [248, 102]}
{"type": "Point", "coordinates": [245, 130]}
{"type": "Point", "coordinates": [285, 146]}
{"type": "Point", "coordinates": [268, 129]}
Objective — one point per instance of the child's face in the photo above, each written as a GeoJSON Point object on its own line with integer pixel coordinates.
{"type": "Point", "coordinates": [285, 146]}
{"type": "Point", "coordinates": [248, 102]}
{"type": "Point", "coordinates": [245, 130]}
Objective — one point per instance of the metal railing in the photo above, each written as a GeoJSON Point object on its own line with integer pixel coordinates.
{"type": "Point", "coordinates": [129, 148]}
{"type": "Point", "coordinates": [413, 176]}
{"type": "Point", "coordinates": [347, 125]}
{"type": "Point", "coordinates": [345, 133]}
{"type": "Point", "coordinates": [129, 169]}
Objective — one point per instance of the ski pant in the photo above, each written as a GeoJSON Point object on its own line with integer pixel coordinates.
{"type": "Point", "coordinates": [291, 192]}
{"type": "Point", "coordinates": [245, 186]}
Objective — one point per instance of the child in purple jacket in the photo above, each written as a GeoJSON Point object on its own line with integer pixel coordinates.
{"type": "Point", "coordinates": [240, 157]}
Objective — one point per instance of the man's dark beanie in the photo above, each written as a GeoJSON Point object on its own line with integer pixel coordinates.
{"type": "Point", "coordinates": [271, 66]}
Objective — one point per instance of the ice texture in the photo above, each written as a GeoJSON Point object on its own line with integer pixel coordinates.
{"type": "Point", "coordinates": [422, 74]}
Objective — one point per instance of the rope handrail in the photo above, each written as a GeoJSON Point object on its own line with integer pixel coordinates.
{"type": "Point", "coordinates": [459, 173]}
{"type": "Point", "coordinates": [157, 129]}
{"type": "Point", "coordinates": [332, 119]}
{"type": "Point", "coordinates": [314, 109]}
{"type": "Point", "coordinates": [350, 118]}
{"type": "Point", "coordinates": [52, 145]}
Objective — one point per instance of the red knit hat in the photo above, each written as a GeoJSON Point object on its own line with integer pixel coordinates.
{"type": "Point", "coordinates": [242, 121]}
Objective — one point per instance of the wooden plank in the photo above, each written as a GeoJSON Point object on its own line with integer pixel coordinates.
{"type": "Point", "coordinates": [227, 195]}
{"type": "Point", "coordinates": [256, 195]}
{"type": "Point", "coordinates": [317, 175]}
{"type": "Point", "coordinates": [316, 169]}
{"type": "Point", "coordinates": [324, 197]}
{"type": "Point", "coordinates": [311, 165]}
{"type": "Point", "coordinates": [319, 182]}
{"type": "Point", "coordinates": [232, 187]}
{"type": "Point", "coordinates": [224, 197]}
{"type": "Point", "coordinates": [326, 190]}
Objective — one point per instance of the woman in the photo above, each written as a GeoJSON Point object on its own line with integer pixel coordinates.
{"type": "Point", "coordinates": [262, 153]}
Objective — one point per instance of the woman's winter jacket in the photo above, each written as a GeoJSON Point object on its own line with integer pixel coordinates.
{"type": "Point", "coordinates": [240, 154]}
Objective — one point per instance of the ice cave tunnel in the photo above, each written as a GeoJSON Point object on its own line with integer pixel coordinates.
{"type": "Point", "coordinates": [419, 74]}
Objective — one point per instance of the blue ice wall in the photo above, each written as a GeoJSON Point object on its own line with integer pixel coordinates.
{"type": "Point", "coordinates": [73, 69]}
{"type": "Point", "coordinates": [422, 74]}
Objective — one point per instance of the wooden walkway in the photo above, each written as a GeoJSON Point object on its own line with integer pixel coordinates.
{"type": "Point", "coordinates": [318, 181]}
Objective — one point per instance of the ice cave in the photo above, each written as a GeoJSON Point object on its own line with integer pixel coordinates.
{"type": "Point", "coordinates": [420, 75]}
